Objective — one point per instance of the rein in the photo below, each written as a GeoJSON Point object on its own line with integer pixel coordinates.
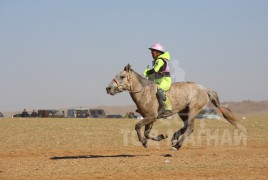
{"type": "Point", "coordinates": [130, 85]}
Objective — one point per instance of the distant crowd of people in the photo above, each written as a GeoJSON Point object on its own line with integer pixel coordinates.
{"type": "Point", "coordinates": [26, 114]}
{"type": "Point", "coordinates": [41, 113]}
{"type": "Point", "coordinates": [79, 114]}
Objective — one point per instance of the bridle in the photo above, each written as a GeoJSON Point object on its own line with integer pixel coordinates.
{"type": "Point", "coordinates": [129, 85]}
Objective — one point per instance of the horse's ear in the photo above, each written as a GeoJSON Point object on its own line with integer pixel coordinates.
{"type": "Point", "coordinates": [127, 67]}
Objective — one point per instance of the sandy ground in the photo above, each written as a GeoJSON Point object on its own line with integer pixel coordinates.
{"type": "Point", "coordinates": [108, 149]}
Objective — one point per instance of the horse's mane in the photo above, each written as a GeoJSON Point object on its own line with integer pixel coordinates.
{"type": "Point", "coordinates": [143, 81]}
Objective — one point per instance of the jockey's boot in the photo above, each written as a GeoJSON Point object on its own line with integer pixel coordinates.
{"type": "Point", "coordinates": [165, 105]}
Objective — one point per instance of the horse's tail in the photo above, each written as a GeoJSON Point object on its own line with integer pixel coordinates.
{"type": "Point", "coordinates": [226, 112]}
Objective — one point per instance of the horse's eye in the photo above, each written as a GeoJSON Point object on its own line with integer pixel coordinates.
{"type": "Point", "coordinates": [122, 76]}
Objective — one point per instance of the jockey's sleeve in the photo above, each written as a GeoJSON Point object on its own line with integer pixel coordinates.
{"type": "Point", "coordinates": [158, 64]}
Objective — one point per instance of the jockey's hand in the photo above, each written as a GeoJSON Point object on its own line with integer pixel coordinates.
{"type": "Point", "coordinates": [149, 72]}
{"type": "Point", "coordinates": [146, 71]}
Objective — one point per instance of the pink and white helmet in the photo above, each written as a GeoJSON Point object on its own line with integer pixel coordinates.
{"type": "Point", "coordinates": [157, 47]}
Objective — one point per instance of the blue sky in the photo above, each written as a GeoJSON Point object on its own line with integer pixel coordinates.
{"type": "Point", "coordinates": [60, 54]}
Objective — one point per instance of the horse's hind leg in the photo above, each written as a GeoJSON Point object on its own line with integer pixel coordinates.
{"type": "Point", "coordinates": [177, 134]}
{"type": "Point", "coordinates": [147, 134]}
{"type": "Point", "coordinates": [189, 130]}
{"type": "Point", "coordinates": [184, 116]}
{"type": "Point", "coordinates": [190, 127]}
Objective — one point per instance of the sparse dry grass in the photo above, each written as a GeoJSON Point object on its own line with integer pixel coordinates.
{"type": "Point", "coordinates": [27, 146]}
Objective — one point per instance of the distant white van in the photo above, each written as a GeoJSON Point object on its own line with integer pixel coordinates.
{"type": "Point", "coordinates": [78, 113]}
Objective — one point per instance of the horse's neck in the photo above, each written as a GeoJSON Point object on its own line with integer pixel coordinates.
{"type": "Point", "coordinates": [141, 89]}
{"type": "Point", "coordinates": [138, 89]}
{"type": "Point", "coordinates": [138, 98]}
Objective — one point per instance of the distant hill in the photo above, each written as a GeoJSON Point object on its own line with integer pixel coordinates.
{"type": "Point", "coordinates": [248, 106]}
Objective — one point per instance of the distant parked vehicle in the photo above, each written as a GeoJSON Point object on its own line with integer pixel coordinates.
{"type": "Point", "coordinates": [50, 113]}
{"type": "Point", "coordinates": [131, 115]}
{"type": "Point", "coordinates": [78, 113]}
{"type": "Point", "coordinates": [114, 116]}
{"type": "Point", "coordinates": [208, 114]}
{"type": "Point", "coordinates": [211, 116]}
{"type": "Point", "coordinates": [139, 117]}
{"type": "Point", "coordinates": [97, 113]}
{"type": "Point", "coordinates": [21, 115]}
{"type": "Point", "coordinates": [1, 115]}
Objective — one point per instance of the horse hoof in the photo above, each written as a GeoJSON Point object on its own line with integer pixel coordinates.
{"type": "Point", "coordinates": [173, 149]}
{"type": "Point", "coordinates": [144, 143]}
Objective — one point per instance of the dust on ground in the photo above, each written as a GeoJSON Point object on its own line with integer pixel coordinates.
{"type": "Point", "coordinates": [109, 149]}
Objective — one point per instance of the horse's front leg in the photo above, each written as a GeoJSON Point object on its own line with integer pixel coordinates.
{"type": "Point", "coordinates": [147, 121]}
{"type": "Point", "coordinates": [147, 134]}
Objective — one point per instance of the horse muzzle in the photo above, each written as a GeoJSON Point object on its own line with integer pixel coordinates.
{"type": "Point", "coordinates": [109, 91]}
{"type": "Point", "coordinates": [113, 90]}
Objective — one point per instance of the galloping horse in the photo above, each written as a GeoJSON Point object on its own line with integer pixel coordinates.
{"type": "Point", "coordinates": [187, 99]}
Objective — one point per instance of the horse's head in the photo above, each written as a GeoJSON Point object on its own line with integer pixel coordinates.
{"type": "Point", "coordinates": [121, 82]}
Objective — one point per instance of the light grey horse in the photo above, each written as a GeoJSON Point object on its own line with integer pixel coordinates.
{"type": "Point", "coordinates": [187, 99]}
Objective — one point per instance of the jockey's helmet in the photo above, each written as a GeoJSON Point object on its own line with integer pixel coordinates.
{"type": "Point", "coordinates": [157, 47]}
